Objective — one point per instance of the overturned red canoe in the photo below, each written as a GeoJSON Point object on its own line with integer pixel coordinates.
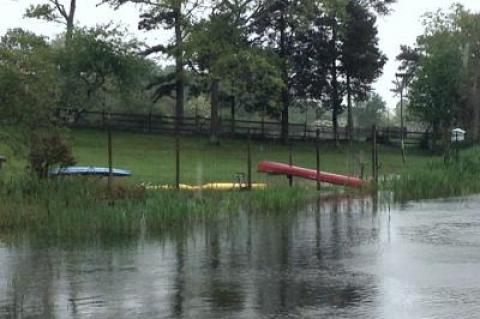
{"type": "Point", "coordinates": [285, 169]}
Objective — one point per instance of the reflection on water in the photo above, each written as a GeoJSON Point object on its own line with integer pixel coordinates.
{"type": "Point", "coordinates": [339, 258]}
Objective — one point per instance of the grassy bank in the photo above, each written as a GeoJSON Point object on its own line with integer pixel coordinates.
{"type": "Point", "coordinates": [73, 208]}
{"type": "Point", "coordinates": [152, 159]}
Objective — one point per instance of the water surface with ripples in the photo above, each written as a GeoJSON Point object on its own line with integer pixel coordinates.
{"type": "Point", "coordinates": [337, 258]}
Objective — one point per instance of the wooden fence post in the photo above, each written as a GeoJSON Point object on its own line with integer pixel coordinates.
{"type": "Point", "coordinates": [249, 161]}
{"type": "Point", "coordinates": [150, 122]}
{"type": "Point", "coordinates": [374, 154]}
{"type": "Point", "coordinates": [110, 160]}
{"type": "Point", "coordinates": [177, 152]}
{"type": "Point", "coordinates": [103, 119]}
{"type": "Point", "coordinates": [290, 162]}
{"type": "Point", "coordinates": [263, 126]}
{"type": "Point", "coordinates": [232, 111]}
{"type": "Point", "coordinates": [317, 148]}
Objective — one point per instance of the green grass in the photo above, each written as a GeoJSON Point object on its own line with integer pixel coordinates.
{"type": "Point", "coordinates": [76, 208]}
{"type": "Point", "coordinates": [152, 157]}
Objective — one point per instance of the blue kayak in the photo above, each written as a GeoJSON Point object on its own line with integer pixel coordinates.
{"type": "Point", "coordinates": [89, 171]}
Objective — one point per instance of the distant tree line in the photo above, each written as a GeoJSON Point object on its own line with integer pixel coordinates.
{"type": "Point", "coordinates": [266, 55]}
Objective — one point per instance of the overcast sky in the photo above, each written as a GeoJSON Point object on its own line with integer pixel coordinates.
{"type": "Point", "coordinates": [402, 26]}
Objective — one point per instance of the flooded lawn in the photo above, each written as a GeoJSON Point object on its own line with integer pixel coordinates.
{"type": "Point", "coordinates": [345, 258]}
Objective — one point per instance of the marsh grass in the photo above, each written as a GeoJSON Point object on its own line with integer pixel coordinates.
{"type": "Point", "coordinates": [82, 208]}
{"type": "Point", "coordinates": [439, 179]}
{"type": "Point", "coordinates": [64, 208]}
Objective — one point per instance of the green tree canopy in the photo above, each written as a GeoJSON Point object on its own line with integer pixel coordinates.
{"type": "Point", "coordinates": [103, 67]}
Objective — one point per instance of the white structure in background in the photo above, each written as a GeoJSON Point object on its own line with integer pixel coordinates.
{"type": "Point", "coordinates": [458, 135]}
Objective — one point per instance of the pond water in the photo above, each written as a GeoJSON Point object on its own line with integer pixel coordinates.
{"type": "Point", "coordinates": [338, 258]}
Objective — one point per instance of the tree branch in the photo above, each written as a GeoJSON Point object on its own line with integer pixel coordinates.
{"type": "Point", "coordinates": [155, 49]}
{"type": "Point", "coordinates": [61, 8]}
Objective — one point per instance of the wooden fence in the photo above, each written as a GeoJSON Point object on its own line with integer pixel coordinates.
{"type": "Point", "coordinates": [156, 124]}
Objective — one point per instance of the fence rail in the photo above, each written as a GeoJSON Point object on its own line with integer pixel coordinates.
{"type": "Point", "coordinates": [156, 124]}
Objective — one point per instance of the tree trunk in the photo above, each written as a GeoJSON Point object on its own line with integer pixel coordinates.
{"type": "Point", "coordinates": [349, 110]}
{"type": "Point", "coordinates": [435, 134]}
{"type": "Point", "coordinates": [214, 89]}
{"type": "Point", "coordinates": [68, 89]}
{"type": "Point", "coordinates": [70, 22]}
{"type": "Point", "coordinates": [179, 68]}
{"type": "Point", "coordinates": [475, 110]}
{"type": "Point", "coordinates": [446, 142]}
{"type": "Point", "coordinates": [335, 100]}
{"type": "Point", "coordinates": [285, 93]}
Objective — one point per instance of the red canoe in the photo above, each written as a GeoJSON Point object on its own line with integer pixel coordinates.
{"type": "Point", "coordinates": [285, 169]}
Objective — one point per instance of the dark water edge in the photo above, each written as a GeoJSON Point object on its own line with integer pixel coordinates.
{"type": "Point", "coordinates": [337, 258]}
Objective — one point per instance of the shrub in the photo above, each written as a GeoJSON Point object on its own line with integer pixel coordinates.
{"type": "Point", "coordinates": [49, 149]}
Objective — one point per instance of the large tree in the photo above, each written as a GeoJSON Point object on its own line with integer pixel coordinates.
{"type": "Point", "coordinates": [434, 88]}
{"type": "Point", "coordinates": [173, 15]}
{"type": "Point", "coordinates": [275, 24]}
{"type": "Point", "coordinates": [337, 52]}
{"type": "Point", "coordinates": [444, 72]}
{"type": "Point", "coordinates": [218, 50]}
{"type": "Point", "coordinates": [468, 31]}
{"type": "Point", "coordinates": [362, 60]}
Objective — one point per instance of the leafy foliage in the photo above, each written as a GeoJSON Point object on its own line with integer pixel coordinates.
{"type": "Point", "coordinates": [27, 79]}
{"type": "Point", "coordinates": [49, 149]}
{"type": "Point", "coordinates": [370, 112]}
{"type": "Point", "coordinates": [28, 95]}
{"type": "Point", "coordinates": [437, 72]}
{"type": "Point", "coordinates": [104, 68]}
